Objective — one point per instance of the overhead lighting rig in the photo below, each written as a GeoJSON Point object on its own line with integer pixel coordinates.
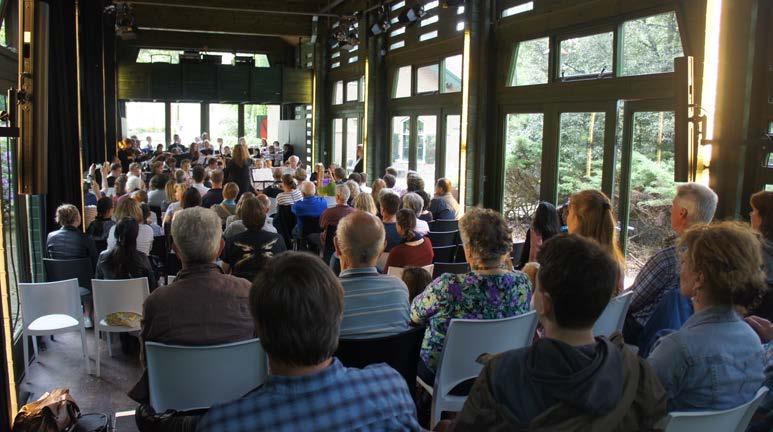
{"type": "Point", "coordinates": [412, 14]}
{"type": "Point", "coordinates": [382, 24]}
{"type": "Point", "coordinates": [345, 35]}
{"type": "Point", "coordinates": [124, 20]}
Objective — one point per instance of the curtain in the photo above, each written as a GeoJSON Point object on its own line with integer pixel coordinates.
{"type": "Point", "coordinates": [91, 29]}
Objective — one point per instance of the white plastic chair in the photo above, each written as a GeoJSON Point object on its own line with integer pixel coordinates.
{"type": "Point", "coordinates": [120, 295]}
{"type": "Point", "coordinates": [735, 419]}
{"type": "Point", "coordinates": [51, 308]}
{"type": "Point", "coordinates": [465, 341]}
{"type": "Point", "coordinates": [398, 271]}
{"type": "Point", "coordinates": [613, 317]}
{"type": "Point", "coordinates": [194, 377]}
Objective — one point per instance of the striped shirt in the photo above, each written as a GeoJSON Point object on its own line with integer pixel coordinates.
{"type": "Point", "coordinates": [289, 198]}
{"type": "Point", "coordinates": [375, 305]}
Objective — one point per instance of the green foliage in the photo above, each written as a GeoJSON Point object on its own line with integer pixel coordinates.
{"type": "Point", "coordinates": [650, 44]}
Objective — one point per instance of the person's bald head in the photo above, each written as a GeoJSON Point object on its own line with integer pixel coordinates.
{"type": "Point", "coordinates": [360, 239]}
{"type": "Point", "coordinates": [308, 189]}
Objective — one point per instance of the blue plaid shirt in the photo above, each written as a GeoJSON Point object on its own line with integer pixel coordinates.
{"type": "Point", "coordinates": [336, 399]}
{"type": "Point", "coordinates": [658, 276]}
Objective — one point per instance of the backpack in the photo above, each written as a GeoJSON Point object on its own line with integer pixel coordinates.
{"type": "Point", "coordinates": [55, 411]}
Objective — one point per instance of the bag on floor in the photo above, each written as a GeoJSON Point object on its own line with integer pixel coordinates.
{"type": "Point", "coordinates": [55, 411]}
{"type": "Point", "coordinates": [92, 423]}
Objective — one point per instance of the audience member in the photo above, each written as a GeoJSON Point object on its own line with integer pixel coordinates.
{"type": "Point", "coordinates": [544, 225]}
{"type": "Point", "coordinates": [202, 306]}
{"type": "Point", "coordinates": [157, 194]}
{"type": "Point", "coordinates": [378, 185]}
{"type": "Point", "coordinates": [415, 250]}
{"type": "Point", "coordinates": [238, 169]}
{"type": "Point", "coordinates": [235, 224]}
{"type": "Point", "coordinates": [191, 198]}
{"type": "Point", "coordinates": [290, 194]}
{"type": "Point", "coordinates": [425, 214]}
{"type": "Point", "coordinates": [762, 222]}
{"type": "Point", "coordinates": [115, 172]}
{"type": "Point", "coordinates": [715, 361]}
{"type": "Point", "coordinates": [131, 209]}
{"type": "Point", "coordinates": [416, 279]}
{"type": "Point", "coordinates": [338, 176]}
{"type": "Point", "coordinates": [488, 292]}
{"type": "Point", "coordinates": [694, 204]}
{"type": "Point", "coordinates": [99, 229]}
{"type": "Point", "coordinates": [227, 207]}
{"type": "Point", "coordinates": [272, 191]}
{"type": "Point", "coordinates": [354, 190]}
{"type": "Point", "coordinates": [590, 215]}
{"type": "Point", "coordinates": [297, 304]}
{"type": "Point", "coordinates": [124, 261]}
{"type": "Point", "coordinates": [265, 202]}
{"type": "Point", "coordinates": [300, 175]}
{"type": "Point", "coordinates": [198, 176]}
{"type": "Point", "coordinates": [374, 304]}
{"type": "Point", "coordinates": [390, 203]}
{"type": "Point", "coordinates": [358, 164]}
{"type": "Point", "coordinates": [443, 204]}
{"type": "Point", "coordinates": [331, 217]}
{"type": "Point", "coordinates": [246, 253]}
{"type": "Point", "coordinates": [364, 202]}
{"type": "Point", "coordinates": [179, 192]}
{"type": "Point", "coordinates": [567, 380]}
{"type": "Point", "coordinates": [69, 242]}
{"type": "Point", "coordinates": [414, 182]}
{"type": "Point", "coordinates": [413, 201]}
{"type": "Point", "coordinates": [150, 219]}
{"type": "Point", "coordinates": [311, 206]}
{"type": "Point", "coordinates": [170, 194]}
{"type": "Point", "coordinates": [214, 195]}
{"type": "Point", "coordinates": [120, 189]}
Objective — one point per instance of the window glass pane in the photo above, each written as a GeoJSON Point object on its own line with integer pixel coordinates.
{"type": "Point", "coordinates": [147, 55]}
{"type": "Point", "coordinates": [338, 141]}
{"type": "Point", "coordinates": [452, 74]}
{"type": "Point", "coordinates": [401, 138]}
{"type": "Point", "coordinates": [523, 170]}
{"type": "Point", "coordinates": [10, 207]}
{"type": "Point", "coordinates": [518, 9]}
{"type": "Point", "coordinates": [352, 91]}
{"type": "Point", "coordinates": [338, 93]}
{"type": "Point", "coordinates": [402, 82]}
{"type": "Point", "coordinates": [224, 123]}
{"type": "Point", "coordinates": [428, 21]}
{"type": "Point", "coordinates": [261, 122]}
{"type": "Point", "coordinates": [586, 56]}
{"type": "Point", "coordinates": [186, 121]}
{"type": "Point", "coordinates": [652, 187]}
{"type": "Point", "coordinates": [580, 153]}
{"type": "Point", "coordinates": [426, 145]}
{"type": "Point", "coordinates": [352, 139]}
{"type": "Point", "coordinates": [396, 45]}
{"type": "Point", "coordinates": [530, 62]}
{"type": "Point", "coordinates": [453, 141]}
{"type": "Point", "coordinates": [427, 36]}
{"type": "Point", "coordinates": [362, 89]}
{"type": "Point", "coordinates": [650, 45]}
{"type": "Point", "coordinates": [3, 41]}
{"type": "Point", "coordinates": [427, 79]}
{"type": "Point", "coordinates": [146, 119]}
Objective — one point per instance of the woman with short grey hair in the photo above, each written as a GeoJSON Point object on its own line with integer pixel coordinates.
{"type": "Point", "coordinates": [413, 201]}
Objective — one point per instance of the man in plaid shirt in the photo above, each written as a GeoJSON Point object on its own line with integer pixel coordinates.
{"type": "Point", "coordinates": [297, 303]}
{"type": "Point", "coordinates": [694, 204]}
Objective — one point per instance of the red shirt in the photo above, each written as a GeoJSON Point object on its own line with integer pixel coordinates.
{"type": "Point", "coordinates": [331, 216]}
{"type": "Point", "coordinates": [404, 255]}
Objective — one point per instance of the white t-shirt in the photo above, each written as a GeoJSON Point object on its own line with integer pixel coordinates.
{"type": "Point", "coordinates": [201, 188]}
{"type": "Point", "coordinates": [422, 227]}
{"type": "Point", "coordinates": [144, 239]}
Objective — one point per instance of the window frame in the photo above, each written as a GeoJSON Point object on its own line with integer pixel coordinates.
{"type": "Point", "coordinates": [415, 78]}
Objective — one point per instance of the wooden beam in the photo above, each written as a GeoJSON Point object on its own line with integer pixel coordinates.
{"type": "Point", "coordinates": [306, 7]}
{"type": "Point", "coordinates": [213, 42]}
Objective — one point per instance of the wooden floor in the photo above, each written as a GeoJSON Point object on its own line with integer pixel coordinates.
{"type": "Point", "coordinates": [62, 365]}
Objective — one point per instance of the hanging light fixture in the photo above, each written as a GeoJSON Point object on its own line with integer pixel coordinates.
{"type": "Point", "coordinates": [412, 14]}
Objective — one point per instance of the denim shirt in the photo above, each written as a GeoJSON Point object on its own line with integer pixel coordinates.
{"type": "Point", "coordinates": [714, 362]}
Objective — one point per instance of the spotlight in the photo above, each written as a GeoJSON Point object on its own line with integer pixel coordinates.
{"type": "Point", "coordinates": [412, 13]}
{"type": "Point", "coordinates": [382, 23]}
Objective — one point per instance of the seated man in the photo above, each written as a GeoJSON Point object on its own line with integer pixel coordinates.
{"type": "Point", "coordinates": [333, 215]}
{"type": "Point", "coordinates": [199, 174]}
{"type": "Point", "coordinates": [297, 304]}
{"type": "Point", "coordinates": [214, 195]}
{"type": "Point", "coordinates": [374, 304]}
{"type": "Point", "coordinates": [390, 204]}
{"type": "Point", "coordinates": [443, 204]}
{"type": "Point", "coordinates": [567, 380]}
{"type": "Point", "coordinates": [311, 206]}
{"type": "Point", "coordinates": [202, 306]}
{"type": "Point", "coordinates": [694, 204]}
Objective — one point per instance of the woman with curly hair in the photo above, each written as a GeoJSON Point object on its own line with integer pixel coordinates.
{"type": "Point", "coordinates": [489, 291]}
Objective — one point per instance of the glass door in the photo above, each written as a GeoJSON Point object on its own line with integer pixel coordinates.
{"type": "Point", "coordinates": [453, 142]}
{"type": "Point", "coordinates": [426, 148]}
{"type": "Point", "coordinates": [338, 141]}
{"type": "Point", "coordinates": [580, 152]}
{"type": "Point", "coordinates": [401, 146]}
{"type": "Point", "coordinates": [352, 140]}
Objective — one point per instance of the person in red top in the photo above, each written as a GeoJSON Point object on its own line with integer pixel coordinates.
{"type": "Point", "coordinates": [331, 216]}
{"type": "Point", "coordinates": [414, 250]}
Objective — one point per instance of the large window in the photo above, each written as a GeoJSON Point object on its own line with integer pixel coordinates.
{"type": "Point", "coordinates": [224, 123]}
{"type": "Point", "coordinates": [186, 121]}
{"type": "Point", "coordinates": [148, 55]}
{"type": "Point", "coordinates": [426, 146]}
{"type": "Point", "coordinates": [338, 93]}
{"type": "Point", "coordinates": [338, 141]}
{"type": "Point", "coordinates": [453, 143]}
{"type": "Point", "coordinates": [261, 60]}
{"type": "Point", "coordinates": [530, 62]}
{"type": "Point", "coordinates": [452, 74]}
{"type": "Point", "coordinates": [261, 122]}
{"type": "Point", "coordinates": [353, 91]}
{"type": "Point", "coordinates": [587, 56]}
{"type": "Point", "coordinates": [402, 84]}
{"type": "Point", "coordinates": [580, 152]}
{"type": "Point", "coordinates": [401, 143]}
{"type": "Point", "coordinates": [427, 79]}
{"type": "Point", "coordinates": [650, 44]}
{"type": "Point", "coordinates": [522, 171]}
{"type": "Point", "coordinates": [146, 119]}
{"type": "Point", "coordinates": [9, 215]}
{"type": "Point", "coordinates": [352, 139]}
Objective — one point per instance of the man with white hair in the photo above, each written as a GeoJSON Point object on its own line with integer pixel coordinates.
{"type": "Point", "coordinates": [311, 206]}
{"type": "Point", "coordinates": [375, 305]}
{"type": "Point", "coordinates": [292, 162]}
{"type": "Point", "coordinates": [202, 306]}
{"type": "Point", "coordinates": [333, 215]}
{"type": "Point", "coordinates": [694, 204]}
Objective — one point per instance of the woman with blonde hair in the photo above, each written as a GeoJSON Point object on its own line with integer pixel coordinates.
{"type": "Point", "coordinates": [179, 192]}
{"type": "Point", "coordinates": [238, 169]}
{"type": "Point", "coordinates": [378, 184]}
{"type": "Point", "coordinates": [365, 203]}
{"type": "Point", "coordinates": [715, 361]}
{"type": "Point", "coordinates": [131, 209]}
{"type": "Point", "coordinates": [170, 195]}
{"type": "Point", "coordinates": [590, 215]}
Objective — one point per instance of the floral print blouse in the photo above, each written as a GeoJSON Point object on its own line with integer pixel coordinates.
{"type": "Point", "coordinates": [466, 296]}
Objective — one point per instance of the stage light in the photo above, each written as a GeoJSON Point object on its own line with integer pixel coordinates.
{"type": "Point", "coordinates": [412, 14]}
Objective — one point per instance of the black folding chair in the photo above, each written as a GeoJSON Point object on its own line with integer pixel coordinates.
{"type": "Point", "coordinates": [444, 225]}
{"type": "Point", "coordinates": [81, 269]}
{"type": "Point", "coordinates": [453, 268]}
{"type": "Point", "coordinates": [443, 238]}
{"type": "Point", "coordinates": [310, 239]}
{"type": "Point", "coordinates": [284, 222]}
{"type": "Point", "coordinates": [158, 256]}
{"type": "Point", "coordinates": [329, 248]}
{"type": "Point", "coordinates": [400, 351]}
{"type": "Point", "coordinates": [444, 254]}
{"type": "Point", "coordinates": [158, 212]}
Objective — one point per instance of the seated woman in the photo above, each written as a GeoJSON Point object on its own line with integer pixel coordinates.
{"type": "Point", "coordinates": [100, 227]}
{"type": "Point", "coordinates": [69, 242]}
{"type": "Point", "coordinates": [290, 194]}
{"type": "Point", "coordinates": [124, 261]}
{"type": "Point", "coordinates": [157, 195]}
{"type": "Point", "coordinates": [414, 250]}
{"type": "Point", "coordinates": [443, 204]}
{"type": "Point", "coordinates": [364, 202]}
{"type": "Point", "coordinates": [246, 253]}
{"type": "Point", "coordinates": [489, 291]}
{"type": "Point", "coordinates": [228, 206]}
{"type": "Point", "coordinates": [546, 224]}
{"type": "Point", "coordinates": [170, 194]}
{"type": "Point", "coordinates": [132, 209]}
{"type": "Point", "coordinates": [762, 222]}
{"type": "Point", "coordinates": [179, 191]}
{"type": "Point", "coordinates": [590, 215]}
{"type": "Point", "coordinates": [715, 361]}
{"type": "Point", "coordinates": [413, 201]}
{"type": "Point", "coordinates": [416, 279]}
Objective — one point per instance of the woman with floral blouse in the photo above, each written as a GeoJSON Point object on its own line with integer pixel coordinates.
{"type": "Point", "coordinates": [490, 291]}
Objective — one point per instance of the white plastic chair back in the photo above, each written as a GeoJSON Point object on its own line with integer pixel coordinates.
{"type": "Point", "coordinates": [733, 420]}
{"type": "Point", "coordinates": [50, 298]}
{"type": "Point", "coordinates": [465, 341]}
{"type": "Point", "coordinates": [118, 295]}
{"type": "Point", "coordinates": [398, 271]}
{"type": "Point", "coordinates": [190, 377]}
{"type": "Point", "coordinates": [613, 317]}
{"type": "Point", "coordinates": [331, 201]}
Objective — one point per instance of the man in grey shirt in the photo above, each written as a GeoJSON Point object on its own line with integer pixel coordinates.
{"type": "Point", "coordinates": [375, 305]}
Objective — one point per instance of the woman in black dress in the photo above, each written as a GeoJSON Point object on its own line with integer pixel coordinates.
{"type": "Point", "coordinates": [238, 170]}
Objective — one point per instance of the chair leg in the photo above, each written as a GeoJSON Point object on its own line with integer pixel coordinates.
{"type": "Point", "coordinates": [85, 346]}
{"type": "Point", "coordinates": [35, 345]}
{"type": "Point", "coordinates": [99, 336]}
{"type": "Point", "coordinates": [25, 342]}
{"type": "Point", "coordinates": [110, 344]}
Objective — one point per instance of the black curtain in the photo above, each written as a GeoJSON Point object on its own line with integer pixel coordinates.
{"type": "Point", "coordinates": [110, 64]}
{"type": "Point", "coordinates": [90, 27]}
{"type": "Point", "coordinates": [64, 176]}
